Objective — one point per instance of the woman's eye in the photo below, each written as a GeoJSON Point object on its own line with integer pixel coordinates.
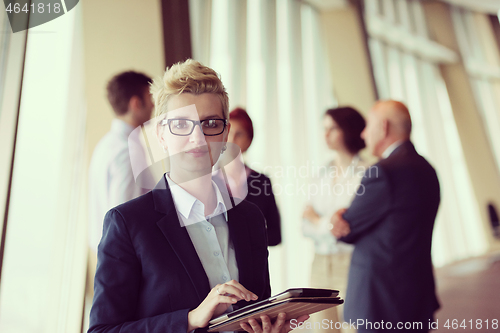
{"type": "Point", "coordinates": [180, 124]}
{"type": "Point", "coordinates": [210, 123]}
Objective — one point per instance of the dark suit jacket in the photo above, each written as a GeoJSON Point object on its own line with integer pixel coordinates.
{"type": "Point", "coordinates": [148, 274]}
{"type": "Point", "coordinates": [260, 193]}
{"type": "Point", "coordinates": [391, 219]}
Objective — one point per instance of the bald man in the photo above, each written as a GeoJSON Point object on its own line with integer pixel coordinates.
{"type": "Point", "coordinates": [390, 222]}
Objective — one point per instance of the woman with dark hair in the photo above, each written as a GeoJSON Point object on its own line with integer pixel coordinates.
{"type": "Point", "coordinates": [259, 186]}
{"type": "Point", "coordinates": [336, 186]}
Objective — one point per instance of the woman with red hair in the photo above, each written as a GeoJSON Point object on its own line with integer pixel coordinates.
{"type": "Point", "coordinates": [259, 185]}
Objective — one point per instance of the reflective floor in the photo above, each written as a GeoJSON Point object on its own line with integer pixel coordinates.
{"type": "Point", "coordinates": [469, 292]}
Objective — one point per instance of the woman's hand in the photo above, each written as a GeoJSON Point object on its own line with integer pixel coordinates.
{"type": "Point", "coordinates": [310, 214]}
{"type": "Point", "coordinates": [279, 326]}
{"type": "Point", "coordinates": [217, 302]}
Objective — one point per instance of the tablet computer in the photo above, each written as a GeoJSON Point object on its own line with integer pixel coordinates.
{"type": "Point", "coordinates": [294, 308]}
{"type": "Point", "coordinates": [287, 294]}
{"type": "Point", "coordinates": [294, 296]}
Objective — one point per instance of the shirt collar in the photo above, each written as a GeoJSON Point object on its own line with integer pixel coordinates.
{"type": "Point", "coordinates": [120, 126]}
{"type": "Point", "coordinates": [388, 151]}
{"type": "Point", "coordinates": [221, 207]}
{"type": "Point", "coordinates": [185, 202]}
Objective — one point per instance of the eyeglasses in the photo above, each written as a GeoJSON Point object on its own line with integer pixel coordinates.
{"type": "Point", "coordinates": [184, 127]}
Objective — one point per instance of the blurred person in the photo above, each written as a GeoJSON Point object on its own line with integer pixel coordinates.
{"type": "Point", "coordinates": [334, 189]}
{"type": "Point", "coordinates": [176, 257]}
{"type": "Point", "coordinates": [259, 185]}
{"type": "Point", "coordinates": [111, 180]}
{"type": "Point", "coordinates": [390, 223]}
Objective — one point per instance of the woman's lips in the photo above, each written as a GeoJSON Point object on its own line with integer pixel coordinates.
{"type": "Point", "coordinates": [197, 152]}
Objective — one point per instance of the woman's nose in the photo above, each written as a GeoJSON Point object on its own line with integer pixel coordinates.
{"type": "Point", "coordinates": [197, 136]}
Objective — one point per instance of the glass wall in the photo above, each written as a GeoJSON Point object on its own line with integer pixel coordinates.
{"type": "Point", "coordinates": [4, 46]}
{"type": "Point", "coordinates": [270, 56]}
{"type": "Point", "coordinates": [406, 68]}
{"type": "Point", "coordinates": [44, 263]}
{"type": "Point", "coordinates": [480, 53]}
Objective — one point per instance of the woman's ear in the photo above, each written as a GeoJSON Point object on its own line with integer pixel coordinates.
{"type": "Point", "coordinates": [159, 137]}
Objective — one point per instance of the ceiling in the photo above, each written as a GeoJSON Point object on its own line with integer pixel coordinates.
{"type": "Point", "coordinates": [486, 6]}
{"type": "Point", "coordinates": [327, 4]}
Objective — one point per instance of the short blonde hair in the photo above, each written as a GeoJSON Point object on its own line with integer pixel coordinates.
{"type": "Point", "coordinates": [189, 76]}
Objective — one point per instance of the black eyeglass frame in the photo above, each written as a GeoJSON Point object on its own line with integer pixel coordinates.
{"type": "Point", "coordinates": [166, 122]}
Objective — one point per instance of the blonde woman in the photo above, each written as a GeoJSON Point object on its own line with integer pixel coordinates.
{"type": "Point", "coordinates": [176, 257]}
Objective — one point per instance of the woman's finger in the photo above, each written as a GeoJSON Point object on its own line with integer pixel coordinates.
{"type": "Point", "coordinates": [243, 289]}
{"type": "Point", "coordinates": [228, 290]}
{"type": "Point", "coordinates": [249, 295]}
{"type": "Point", "coordinates": [266, 324]}
{"type": "Point", "coordinates": [279, 323]}
{"type": "Point", "coordinates": [246, 327]}
{"type": "Point", "coordinates": [255, 326]}
{"type": "Point", "coordinates": [224, 299]}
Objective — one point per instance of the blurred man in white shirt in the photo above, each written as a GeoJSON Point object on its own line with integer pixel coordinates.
{"type": "Point", "coordinates": [111, 180]}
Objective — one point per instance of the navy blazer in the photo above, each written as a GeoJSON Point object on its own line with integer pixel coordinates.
{"type": "Point", "coordinates": [391, 220]}
{"type": "Point", "coordinates": [148, 274]}
{"type": "Point", "coordinates": [260, 193]}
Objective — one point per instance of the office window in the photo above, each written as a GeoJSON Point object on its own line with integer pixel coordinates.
{"type": "Point", "coordinates": [269, 54]}
{"type": "Point", "coordinates": [43, 273]}
{"type": "Point", "coordinates": [482, 61]}
{"type": "Point", "coordinates": [4, 44]}
{"type": "Point", "coordinates": [405, 63]}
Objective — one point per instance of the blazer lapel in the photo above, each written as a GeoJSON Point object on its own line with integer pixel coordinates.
{"type": "Point", "coordinates": [179, 239]}
{"type": "Point", "coordinates": [238, 233]}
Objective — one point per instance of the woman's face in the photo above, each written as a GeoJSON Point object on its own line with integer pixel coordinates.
{"type": "Point", "coordinates": [239, 135]}
{"type": "Point", "coordinates": [334, 136]}
{"type": "Point", "coordinates": [195, 152]}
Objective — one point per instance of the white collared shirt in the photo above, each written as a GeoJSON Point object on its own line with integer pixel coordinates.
{"type": "Point", "coordinates": [111, 180]}
{"type": "Point", "coordinates": [210, 234]}
{"type": "Point", "coordinates": [388, 151]}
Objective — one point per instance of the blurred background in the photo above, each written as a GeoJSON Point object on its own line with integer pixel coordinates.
{"type": "Point", "coordinates": [286, 62]}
